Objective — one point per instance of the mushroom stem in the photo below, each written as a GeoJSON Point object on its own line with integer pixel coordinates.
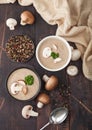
{"type": "Point", "coordinates": [22, 23]}
{"type": "Point", "coordinates": [40, 104]}
{"type": "Point", "coordinates": [45, 78]}
{"type": "Point", "coordinates": [32, 113]}
{"type": "Point", "coordinates": [12, 27]}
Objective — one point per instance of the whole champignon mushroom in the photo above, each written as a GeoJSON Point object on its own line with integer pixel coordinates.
{"type": "Point", "coordinates": [7, 1]}
{"type": "Point", "coordinates": [11, 23]}
{"type": "Point", "coordinates": [27, 18]}
{"type": "Point", "coordinates": [27, 112]}
{"type": "Point", "coordinates": [43, 99]}
{"type": "Point", "coordinates": [11, 1]}
{"type": "Point", "coordinates": [72, 70]}
{"type": "Point", "coordinates": [25, 2]}
{"type": "Point", "coordinates": [76, 54]}
{"type": "Point", "coordinates": [51, 82]}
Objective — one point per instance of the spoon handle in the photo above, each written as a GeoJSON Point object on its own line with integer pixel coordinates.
{"type": "Point", "coordinates": [45, 126]}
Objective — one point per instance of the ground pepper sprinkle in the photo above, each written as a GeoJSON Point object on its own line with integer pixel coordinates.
{"type": "Point", "coordinates": [20, 48]}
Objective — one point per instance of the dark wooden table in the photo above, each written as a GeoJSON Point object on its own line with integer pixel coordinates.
{"type": "Point", "coordinates": [10, 109]}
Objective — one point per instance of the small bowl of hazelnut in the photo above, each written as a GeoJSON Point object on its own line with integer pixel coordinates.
{"type": "Point", "coordinates": [20, 48]}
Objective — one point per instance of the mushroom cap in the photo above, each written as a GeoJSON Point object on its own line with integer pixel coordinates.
{"type": "Point", "coordinates": [43, 98]}
{"type": "Point", "coordinates": [25, 111]}
{"type": "Point", "coordinates": [27, 17]}
{"type": "Point", "coordinates": [51, 83]}
{"type": "Point", "coordinates": [72, 70]}
{"type": "Point", "coordinates": [11, 1]}
{"type": "Point", "coordinates": [13, 88]}
{"type": "Point", "coordinates": [11, 21]}
{"type": "Point", "coordinates": [25, 2]}
{"type": "Point", "coordinates": [76, 54]}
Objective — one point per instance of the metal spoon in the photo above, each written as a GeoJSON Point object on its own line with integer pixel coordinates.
{"type": "Point", "coordinates": [57, 116]}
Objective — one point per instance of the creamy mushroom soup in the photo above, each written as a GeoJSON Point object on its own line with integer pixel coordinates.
{"type": "Point", "coordinates": [19, 75]}
{"type": "Point", "coordinates": [53, 53]}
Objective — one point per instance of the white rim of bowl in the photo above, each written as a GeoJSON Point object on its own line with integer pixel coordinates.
{"type": "Point", "coordinates": [56, 37]}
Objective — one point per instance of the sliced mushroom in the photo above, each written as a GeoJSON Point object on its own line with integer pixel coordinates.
{"type": "Point", "coordinates": [54, 46]}
{"type": "Point", "coordinates": [15, 88]}
{"type": "Point", "coordinates": [57, 60]}
{"type": "Point", "coordinates": [43, 99]}
{"type": "Point", "coordinates": [47, 52]}
{"type": "Point", "coordinates": [27, 112]}
{"type": "Point", "coordinates": [11, 23]}
{"type": "Point", "coordinates": [18, 86]}
{"type": "Point", "coordinates": [72, 70]}
{"type": "Point", "coordinates": [21, 82]}
{"type": "Point", "coordinates": [51, 82]}
{"type": "Point", "coordinates": [25, 90]}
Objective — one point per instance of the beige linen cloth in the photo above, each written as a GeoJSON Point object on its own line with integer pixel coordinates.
{"type": "Point", "coordinates": [74, 20]}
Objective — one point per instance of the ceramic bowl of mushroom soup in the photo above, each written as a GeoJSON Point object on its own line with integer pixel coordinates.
{"type": "Point", "coordinates": [53, 53]}
{"type": "Point", "coordinates": [23, 84]}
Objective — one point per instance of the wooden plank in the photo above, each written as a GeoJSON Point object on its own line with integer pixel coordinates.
{"type": "Point", "coordinates": [80, 87]}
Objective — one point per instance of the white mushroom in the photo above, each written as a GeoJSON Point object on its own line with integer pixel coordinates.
{"type": "Point", "coordinates": [11, 1]}
{"type": "Point", "coordinates": [11, 23]}
{"type": "Point", "coordinates": [21, 82]}
{"type": "Point", "coordinates": [18, 86]}
{"type": "Point", "coordinates": [25, 2]}
{"type": "Point", "coordinates": [15, 88]}
{"type": "Point", "coordinates": [71, 48]}
{"type": "Point", "coordinates": [54, 46]}
{"type": "Point", "coordinates": [27, 112]}
{"type": "Point", "coordinates": [57, 60]}
{"type": "Point", "coordinates": [7, 1]}
{"type": "Point", "coordinates": [72, 70]}
{"type": "Point", "coordinates": [47, 52]}
{"type": "Point", "coordinates": [76, 54]}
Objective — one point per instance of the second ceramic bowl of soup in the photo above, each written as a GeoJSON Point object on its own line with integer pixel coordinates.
{"type": "Point", "coordinates": [17, 79]}
{"type": "Point", "coordinates": [53, 53]}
